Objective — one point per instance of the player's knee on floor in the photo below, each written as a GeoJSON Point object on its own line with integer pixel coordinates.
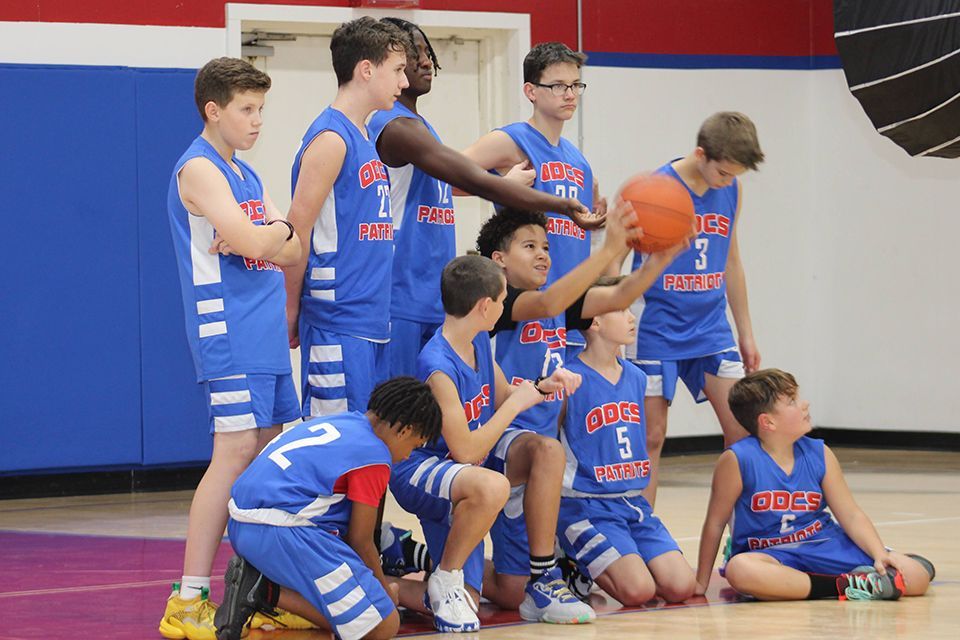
{"type": "Point", "coordinates": [387, 628]}
{"type": "Point", "coordinates": [677, 588]}
{"type": "Point", "coordinates": [636, 591]}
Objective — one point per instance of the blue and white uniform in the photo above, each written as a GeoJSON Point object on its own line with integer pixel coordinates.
{"type": "Point", "coordinates": [785, 514]}
{"type": "Point", "coordinates": [603, 516]}
{"type": "Point", "coordinates": [234, 309]}
{"type": "Point", "coordinates": [425, 241]}
{"type": "Point", "coordinates": [682, 327]}
{"type": "Point", "coordinates": [422, 483]}
{"type": "Point", "coordinates": [561, 170]}
{"type": "Point", "coordinates": [526, 350]}
{"type": "Point", "coordinates": [289, 522]}
{"type": "Point", "coordinates": [345, 307]}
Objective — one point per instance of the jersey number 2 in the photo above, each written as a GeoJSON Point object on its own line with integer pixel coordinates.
{"type": "Point", "coordinates": [329, 434]}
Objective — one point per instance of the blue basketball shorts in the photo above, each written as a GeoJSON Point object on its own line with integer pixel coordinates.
{"type": "Point", "coordinates": [511, 546]}
{"type": "Point", "coordinates": [407, 338]}
{"type": "Point", "coordinates": [596, 532]}
{"type": "Point", "coordinates": [422, 485]}
{"type": "Point", "coordinates": [250, 401]}
{"type": "Point", "coordinates": [662, 374]}
{"type": "Point", "coordinates": [320, 567]}
{"type": "Point", "coordinates": [338, 372]}
{"type": "Point", "coordinates": [831, 556]}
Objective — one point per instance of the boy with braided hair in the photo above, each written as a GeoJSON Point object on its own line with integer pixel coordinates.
{"type": "Point", "coordinates": [305, 511]}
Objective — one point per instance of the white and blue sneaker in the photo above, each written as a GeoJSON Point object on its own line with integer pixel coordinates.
{"type": "Point", "coordinates": [454, 610]}
{"type": "Point", "coordinates": [549, 600]}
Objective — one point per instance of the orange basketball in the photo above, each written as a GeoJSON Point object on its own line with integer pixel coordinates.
{"type": "Point", "coordinates": [664, 211]}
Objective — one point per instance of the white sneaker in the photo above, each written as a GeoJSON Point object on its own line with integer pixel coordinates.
{"type": "Point", "coordinates": [549, 600]}
{"type": "Point", "coordinates": [454, 610]}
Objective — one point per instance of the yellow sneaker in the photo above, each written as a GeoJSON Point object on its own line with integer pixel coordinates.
{"type": "Point", "coordinates": [188, 619]}
{"type": "Point", "coordinates": [283, 620]}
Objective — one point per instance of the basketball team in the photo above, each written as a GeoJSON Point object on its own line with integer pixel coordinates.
{"type": "Point", "coordinates": [522, 392]}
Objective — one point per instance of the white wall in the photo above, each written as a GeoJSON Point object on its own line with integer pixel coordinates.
{"type": "Point", "coordinates": [858, 305]}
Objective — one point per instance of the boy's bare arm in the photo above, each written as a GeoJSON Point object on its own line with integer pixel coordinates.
{"type": "Point", "coordinates": [469, 447]}
{"type": "Point", "coordinates": [291, 251]}
{"type": "Point", "coordinates": [363, 521]}
{"type": "Point", "coordinates": [737, 297]}
{"type": "Point", "coordinates": [600, 300]}
{"type": "Point", "coordinates": [531, 305]}
{"type": "Point", "coordinates": [724, 492]}
{"type": "Point", "coordinates": [319, 167]}
{"type": "Point", "coordinates": [851, 517]}
{"type": "Point", "coordinates": [205, 192]}
{"type": "Point", "coordinates": [406, 140]}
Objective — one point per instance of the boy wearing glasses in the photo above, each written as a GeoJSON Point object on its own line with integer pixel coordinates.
{"type": "Point", "coordinates": [552, 84]}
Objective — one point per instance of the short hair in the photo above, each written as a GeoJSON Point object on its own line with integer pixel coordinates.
{"type": "Point", "coordinates": [467, 280]}
{"type": "Point", "coordinates": [545, 54]}
{"type": "Point", "coordinates": [731, 136]}
{"type": "Point", "coordinates": [410, 29]}
{"type": "Point", "coordinates": [406, 401]}
{"type": "Point", "coordinates": [222, 78]}
{"type": "Point", "coordinates": [757, 393]}
{"type": "Point", "coordinates": [497, 232]}
{"type": "Point", "coordinates": [365, 38]}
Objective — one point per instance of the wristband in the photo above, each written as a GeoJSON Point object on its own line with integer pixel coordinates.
{"type": "Point", "coordinates": [536, 385]}
{"type": "Point", "coordinates": [286, 222]}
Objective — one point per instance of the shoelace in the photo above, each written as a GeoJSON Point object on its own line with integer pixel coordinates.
{"type": "Point", "coordinates": [558, 589]}
{"type": "Point", "coordinates": [864, 586]}
{"type": "Point", "coordinates": [458, 595]}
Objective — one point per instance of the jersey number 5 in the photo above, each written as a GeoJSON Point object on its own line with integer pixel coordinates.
{"type": "Point", "coordinates": [623, 438]}
{"type": "Point", "coordinates": [328, 434]}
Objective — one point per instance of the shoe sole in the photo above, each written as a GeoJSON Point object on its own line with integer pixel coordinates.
{"type": "Point", "coordinates": [234, 605]}
{"type": "Point", "coordinates": [544, 617]}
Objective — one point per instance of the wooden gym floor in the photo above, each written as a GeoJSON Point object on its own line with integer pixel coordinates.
{"type": "Point", "coordinates": [102, 565]}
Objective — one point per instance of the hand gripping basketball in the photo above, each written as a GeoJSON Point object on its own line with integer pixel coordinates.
{"type": "Point", "coordinates": [664, 211]}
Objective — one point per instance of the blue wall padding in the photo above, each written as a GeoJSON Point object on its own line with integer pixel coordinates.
{"type": "Point", "coordinates": [70, 342]}
{"type": "Point", "coordinates": [174, 411]}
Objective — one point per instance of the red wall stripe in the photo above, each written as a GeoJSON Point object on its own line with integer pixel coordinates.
{"type": "Point", "coordinates": [717, 27]}
{"type": "Point", "coordinates": [549, 19]}
{"type": "Point", "coordinates": [698, 27]}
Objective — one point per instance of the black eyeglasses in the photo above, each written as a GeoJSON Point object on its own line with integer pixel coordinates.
{"type": "Point", "coordinates": [559, 88]}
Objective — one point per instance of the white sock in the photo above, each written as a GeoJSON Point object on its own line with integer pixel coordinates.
{"type": "Point", "coordinates": [190, 586]}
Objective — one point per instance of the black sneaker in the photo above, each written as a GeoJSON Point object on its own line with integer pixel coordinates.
{"type": "Point", "coordinates": [247, 592]}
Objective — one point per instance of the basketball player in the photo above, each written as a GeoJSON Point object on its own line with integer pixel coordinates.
{"type": "Point", "coordinates": [606, 526]}
{"type": "Point", "coordinates": [338, 294]}
{"type": "Point", "coordinates": [456, 499]}
{"type": "Point", "coordinates": [774, 488]}
{"type": "Point", "coordinates": [530, 344]}
{"type": "Point", "coordinates": [229, 239]}
{"type": "Point", "coordinates": [422, 171]}
{"type": "Point", "coordinates": [682, 320]}
{"type": "Point", "coordinates": [305, 511]}
{"type": "Point", "coordinates": [552, 84]}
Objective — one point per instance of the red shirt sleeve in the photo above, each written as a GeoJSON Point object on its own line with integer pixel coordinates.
{"type": "Point", "coordinates": [365, 485]}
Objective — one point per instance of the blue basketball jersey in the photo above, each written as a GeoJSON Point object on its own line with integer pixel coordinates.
{"type": "Point", "coordinates": [522, 353]}
{"type": "Point", "coordinates": [684, 313]}
{"type": "Point", "coordinates": [346, 287]}
{"type": "Point", "coordinates": [423, 220]}
{"type": "Point", "coordinates": [290, 483]}
{"type": "Point", "coordinates": [775, 508]}
{"type": "Point", "coordinates": [474, 386]}
{"type": "Point", "coordinates": [562, 171]}
{"type": "Point", "coordinates": [605, 434]}
{"type": "Point", "coordinates": [234, 306]}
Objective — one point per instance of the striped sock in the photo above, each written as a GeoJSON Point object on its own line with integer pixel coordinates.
{"type": "Point", "coordinates": [539, 565]}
